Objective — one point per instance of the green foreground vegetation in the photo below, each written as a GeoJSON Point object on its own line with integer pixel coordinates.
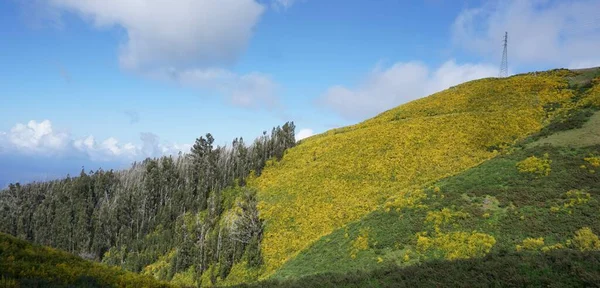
{"type": "Point", "coordinates": [23, 264]}
{"type": "Point", "coordinates": [554, 269]}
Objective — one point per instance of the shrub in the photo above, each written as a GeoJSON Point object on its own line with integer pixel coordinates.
{"type": "Point", "coordinates": [456, 245]}
{"type": "Point", "coordinates": [594, 161]}
{"type": "Point", "coordinates": [360, 243]}
{"type": "Point", "coordinates": [586, 240]}
{"type": "Point", "coordinates": [535, 165]}
{"type": "Point", "coordinates": [531, 244]}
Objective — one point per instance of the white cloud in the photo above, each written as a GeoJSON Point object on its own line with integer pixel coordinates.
{"type": "Point", "coordinates": [553, 33]}
{"type": "Point", "coordinates": [304, 133]}
{"type": "Point", "coordinates": [384, 89]}
{"type": "Point", "coordinates": [41, 139]}
{"type": "Point", "coordinates": [111, 148]}
{"type": "Point", "coordinates": [186, 40]}
{"type": "Point", "coordinates": [253, 90]}
{"type": "Point", "coordinates": [36, 137]}
{"type": "Point", "coordinates": [166, 33]}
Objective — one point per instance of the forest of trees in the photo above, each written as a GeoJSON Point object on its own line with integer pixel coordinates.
{"type": "Point", "coordinates": [195, 205]}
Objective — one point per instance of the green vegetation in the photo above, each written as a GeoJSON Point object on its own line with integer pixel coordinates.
{"type": "Point", "coordinates": [28, 265]}
{"type": "Point", "coordinates": [589, 134]}
{"type": "Point", "coordinates": [559, 268]}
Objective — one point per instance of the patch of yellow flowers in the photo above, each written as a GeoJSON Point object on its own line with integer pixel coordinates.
{"type": "Point", "coordinates": [535, 165]}
{"type": "Point", "coordinates": [337, 177]}
{"type": "Point", "coordinates": [360, 243]}
{"type": "Point", "coordinates": [574, 198]}
{"type": "Point", "coordinates": [456, 245]}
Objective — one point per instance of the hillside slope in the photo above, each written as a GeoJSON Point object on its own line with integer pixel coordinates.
{"type": "Point", "coordinates": [493, 200]}
{"type": "Point", "coordinates": [27, 265]}
{"type": "Point", "coordinates": [562, 268]}
{"type": "Point", "coordinates": [335, 178]}
{"type": "Point", "coordinates": [489, 208]}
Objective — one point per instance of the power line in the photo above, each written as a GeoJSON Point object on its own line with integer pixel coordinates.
{"type": "Point", "coordinates": [504, 64]}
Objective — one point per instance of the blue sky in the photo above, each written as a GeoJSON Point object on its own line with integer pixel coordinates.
{"type": "Point", "coordinates": [103, 83]}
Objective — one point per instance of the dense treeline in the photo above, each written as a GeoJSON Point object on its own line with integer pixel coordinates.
{"type": "Point", "coordinates": [194, 207]}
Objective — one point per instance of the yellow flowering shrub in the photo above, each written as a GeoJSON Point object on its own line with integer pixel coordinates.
{"type": "Point", "coordinates": [337, 177]}
{"type": "Point", "coordinates": [531, 244]}
{"type": "Point", "coordinates": [161, 267]}
{"type": "Point", "coordinates": [574, 198]}
{"type": "Point", "coordinates": [594, 161]}
{"type": "Point", "coordinates": [592, 96]}
{"type": "Point", "coordinates": [185, 278]}
{"type": "Point", "coordinates": [535, 165]}
{"type": "Point", "coordinates": [406, 200]}
{"type": "Point", "coordinates": [586, 240]}
{"type": "Point", "coordinates": [240, 273]}
{"type": "Point", "coordinates": [444, 216]}
{"type": "Point", "coordinates": [552, 247]}
{"type": "Point", "coordinates": [360, 243]}
{"type": "Point", "coordinates": [456, 245]}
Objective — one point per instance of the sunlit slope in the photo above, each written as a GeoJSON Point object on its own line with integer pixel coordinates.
{"type": "Point", "coordinates": [28, 265]}
{"type": "Point", "coordinates": [334, 178]}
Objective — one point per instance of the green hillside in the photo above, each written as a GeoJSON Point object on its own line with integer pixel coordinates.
{"type": "Point", "coordinates": [329, 181]}
{"type": "Point", "coordinates": [537, 196]}
{"type": "Point", "coordinates": [28, 265]}
{"type": "Point", "coordinates": [559, 268]}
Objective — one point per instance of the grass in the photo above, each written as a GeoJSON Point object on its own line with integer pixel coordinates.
{"type": "Point", "coordinates": [563, 268]}
{"type": "Point", "coordinates": [28, 265]}
{"type": "Point", "coordinates": [582, 78]}
{"type": "Point", "coordinates": [588, 133]}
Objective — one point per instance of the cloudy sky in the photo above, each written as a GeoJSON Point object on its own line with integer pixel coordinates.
{"type": "Point", "coordinates": [104, 83]}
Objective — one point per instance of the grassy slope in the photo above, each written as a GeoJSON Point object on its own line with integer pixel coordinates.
{"type": "Point", "coordinates": [588, 135]}
{"type": "Point", "coordinates": [562, 268]}
{"type": "Point", "coordinates": [27, 265]}
{"type": "Point", "coordinates": [336, 178]}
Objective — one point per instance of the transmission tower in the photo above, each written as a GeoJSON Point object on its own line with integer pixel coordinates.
{"type": "Point", "coordinates": [504, 64]}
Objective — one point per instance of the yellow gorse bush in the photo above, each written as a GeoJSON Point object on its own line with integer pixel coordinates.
{"type": "Point", "coordinates": [531, 244]}
{"type": "Point", "coordinates": [360, 243]}
{"type": "Point", "coordinates": [586, 240]}
{"type": "Point", "coordinates": [594, 161]}
{"type": "Point", "coordinates": [592, 96]}
{"type": "Point", "coordinates": [457, 245]}
{"type": "Point", "coordinates": [444, 216]}
{"type": "Point", "coordinates": [573, 198]}
{"type": "Point", "coordinates": [406, 200]}
{"type": "Point", "coordinates": [576, 197]}
{"type": "Point", "coordinates": [535, 165]}
{"type": "Point", "coordinates": [334, 178]}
